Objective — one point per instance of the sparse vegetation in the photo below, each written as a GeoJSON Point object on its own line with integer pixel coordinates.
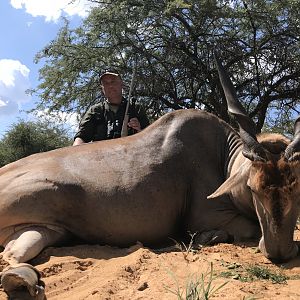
{"type": "Point", "coordinates": [251, 273]}
{"type": "Point", "coordinates": [265, 273]}
{"type": "Point", "coordinates": [186, 249]}
{"type": "Point", "coordinates": [197, 287]}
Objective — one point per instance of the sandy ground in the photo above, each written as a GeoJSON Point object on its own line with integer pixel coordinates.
{"type": "Point", "coordinates": [102, 272]}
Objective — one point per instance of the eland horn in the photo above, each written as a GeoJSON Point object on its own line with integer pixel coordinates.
{"type": "Point", "coordinates": [252, 149]}
{"type": "Point", "coordinates": [292, 151]}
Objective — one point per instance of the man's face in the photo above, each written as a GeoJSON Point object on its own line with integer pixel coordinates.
{"type": "Point", "coordinates": [112, 88]}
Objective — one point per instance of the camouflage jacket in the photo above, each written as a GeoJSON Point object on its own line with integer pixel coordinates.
{"type": "Point", "coordinates": [101, 123]}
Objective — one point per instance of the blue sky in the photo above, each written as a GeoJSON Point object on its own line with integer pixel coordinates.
{"type": "Point", "coordinates": [26, 26]}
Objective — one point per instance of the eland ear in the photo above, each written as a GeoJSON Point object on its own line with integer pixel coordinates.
{"type": "Point", "coordinates": [225, 187]}
{"type": "Point", "coordinates": [234, 182]}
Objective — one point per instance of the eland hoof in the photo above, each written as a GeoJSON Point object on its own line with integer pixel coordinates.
{"type": "Point", "coordinates": [22, 282]}
{"type": "Point", "coordinates": [212, 237]}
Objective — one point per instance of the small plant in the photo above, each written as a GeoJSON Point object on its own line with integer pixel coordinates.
{"type": "Point", "coordinates": [186, 249]}
{"type": "Point", "coordinates": [235, 271]}
{"type": "Point", "coordinates": [198, 287]}
{"type": "Point", "coordinates": [265, 273]}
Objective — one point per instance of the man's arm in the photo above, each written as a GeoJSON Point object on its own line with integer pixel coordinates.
{"type": "Point", "coordinates": [142, 117]}
{"type": "Point", "coordinates": [87, 128]}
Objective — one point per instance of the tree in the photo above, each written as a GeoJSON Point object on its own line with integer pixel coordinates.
{"type": "Point", "coordinates": [173, 43]}
{"type": "Point", "coordinates": [25, 138]}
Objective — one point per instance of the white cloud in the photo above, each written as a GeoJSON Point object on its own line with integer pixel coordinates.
{"type": "Point", "coordinates": [9, 69]}
{"type": "Point", "coordinates": [14, 82]}
{"type": "Point", "coordinates": [53, 9]}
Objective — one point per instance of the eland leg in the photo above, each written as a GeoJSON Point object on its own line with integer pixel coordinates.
{"type": "Point", "coordinates": [212, 237]}
{"type": "Point", "coordinates": [21, 280]}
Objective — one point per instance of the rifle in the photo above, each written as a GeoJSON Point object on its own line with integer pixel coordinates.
{"type": "Point", "coordinates": [124, 131]}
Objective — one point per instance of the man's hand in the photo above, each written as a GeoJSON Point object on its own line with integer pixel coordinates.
{"type": "Point", "coordinates": [78, 141]}
{"type": "Point", "coordinates": [135, 124]}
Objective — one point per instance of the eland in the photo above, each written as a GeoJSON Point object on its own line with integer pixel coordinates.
{"type": "Point", "coordinates": [188, 171]}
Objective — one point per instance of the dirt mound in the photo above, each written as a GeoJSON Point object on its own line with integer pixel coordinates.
{"type": "Point", "coordinates": [103, 272]}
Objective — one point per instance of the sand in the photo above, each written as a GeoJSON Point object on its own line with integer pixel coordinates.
{"type": "Point", "coordinates": [103, 272]}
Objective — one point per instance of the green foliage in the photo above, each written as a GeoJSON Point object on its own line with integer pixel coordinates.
{"type": "Point", "coordinates": [265, 273]}
{"type": "Point", "coordinates": [175, 5]}
{"type": "Point", "coordinates": [251, 273]}
{"type": "Point", "coordinates": [173, 41]}
{"type": "Point", "coordinates": [25, 138]}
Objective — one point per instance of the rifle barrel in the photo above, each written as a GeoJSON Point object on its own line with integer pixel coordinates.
{"type": "Point", "coordinates": [124, 131]}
